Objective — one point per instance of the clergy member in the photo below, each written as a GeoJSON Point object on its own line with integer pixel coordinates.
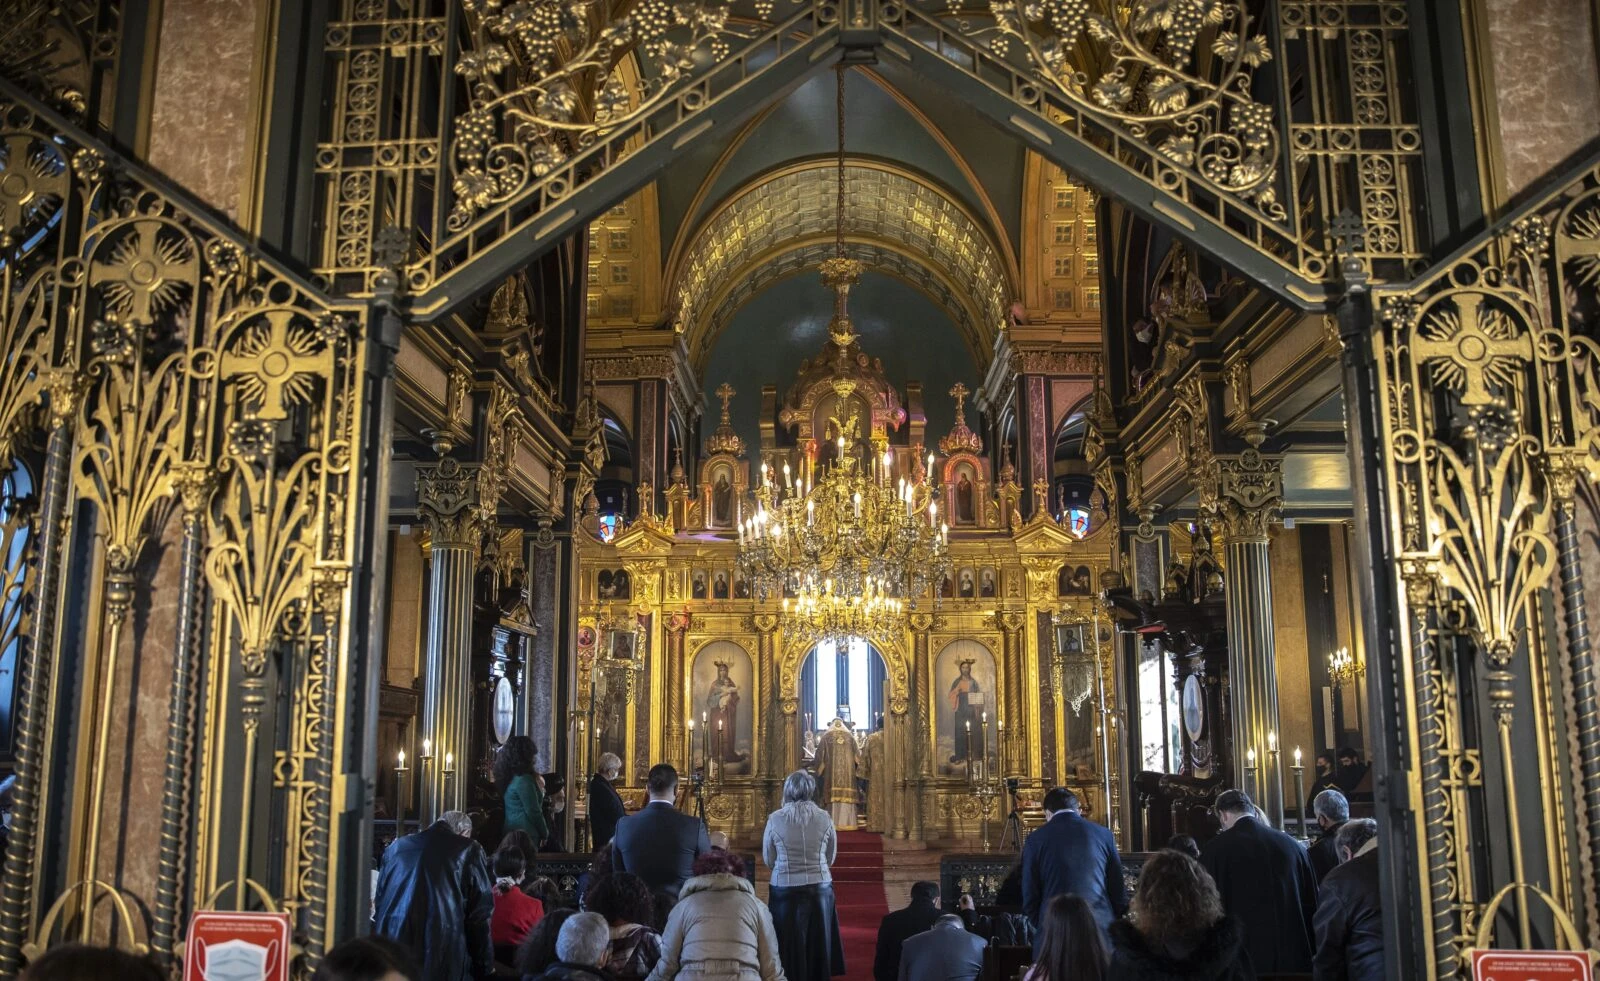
{"type": "Point", "coordinates": [836, 772]}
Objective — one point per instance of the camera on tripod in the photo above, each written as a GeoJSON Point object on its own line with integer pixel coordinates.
{"type": "Point", "coordinates": [697, 779]}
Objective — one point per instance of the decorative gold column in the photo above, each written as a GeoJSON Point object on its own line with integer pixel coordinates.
{"type": "Point", "coordinates": [677, 628]}
{"type": "Point", "coordinates": [772, 764]}
{"type": "Point", "coordinates": [1243, 494]}
{"type": "Point", "coordinates": [1011, 624]}
{"type": "Point", "coordinates": [456, 503]}
{"type": "Point", "coordinates": [918, 773]}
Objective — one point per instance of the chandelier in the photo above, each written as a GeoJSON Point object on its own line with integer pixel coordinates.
{"type": "Point", "coordinates": [821, 614]}
{"type": "Point", "coordinates": [852, 547]}
{"type": "Point", "coordinates": [1344, 668]}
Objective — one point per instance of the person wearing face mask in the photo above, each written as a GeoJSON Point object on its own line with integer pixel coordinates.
{"type": "Point", "coordinates": [605, 804]}
{"type": "Point", "coordinates": [555, 802]}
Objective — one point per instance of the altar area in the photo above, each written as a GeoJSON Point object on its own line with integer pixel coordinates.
{"type": "Point", "coordinates": [998, 679]}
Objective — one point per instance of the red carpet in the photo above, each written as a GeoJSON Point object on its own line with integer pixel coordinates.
{"type": "Point", "coordinates": [858, 895]}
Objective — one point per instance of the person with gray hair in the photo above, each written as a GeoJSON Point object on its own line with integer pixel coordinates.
{"type": "Point", "coordinates": [605, 804]}
{"type": "Point", "coordinates": [799, 845]}
{"type": "Point", "coordinates": [1332, 811]}
{"type": "Point", "coordinates": [1349, 923]}
{"type": "Point", "coordinates": [435, 899]}
{"type": "Point", "coordinates": [943, 952]}
{"type": "Point", "coordinates": [581, 949]}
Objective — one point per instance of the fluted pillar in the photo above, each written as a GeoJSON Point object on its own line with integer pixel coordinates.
{"type": "Point", "coordinates": [677, 629]}
{"type": "Point", "coordinates": [1242, 495]}
{"type": "Point", "coordinates": [456, 503]}
{"type": "Point", "coordinates": [1011, 623]}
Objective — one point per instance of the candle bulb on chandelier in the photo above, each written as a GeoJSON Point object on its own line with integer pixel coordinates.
{"type": "Point", "coordinates": [787, 480]}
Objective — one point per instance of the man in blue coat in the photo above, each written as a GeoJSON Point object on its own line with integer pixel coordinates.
{"type": "Point", "coordinates": [1071, 855]}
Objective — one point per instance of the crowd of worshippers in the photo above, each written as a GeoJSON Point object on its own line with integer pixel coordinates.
{"type": "Point", "coordinates": [663, 899]}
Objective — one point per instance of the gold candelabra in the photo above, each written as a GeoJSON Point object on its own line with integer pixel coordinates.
{"type": "Point", "coordinates": [1344, 668]}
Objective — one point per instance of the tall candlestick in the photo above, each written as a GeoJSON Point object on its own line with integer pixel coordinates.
{"type": "Point", "coordinates": [983, 743]}
{"type": "Point", "coordinates": [1300, 791]}
{"type": "Point", "coordinates": [400, 794]}
{"type": "Point", "coordinates": [1250, 772]}
{"type": "Point", "coordinates": [688, 745]}
{"type": "Point", "coordinates": [969, 749]}
{"type": "Point", "coordinates": [1276, 774]}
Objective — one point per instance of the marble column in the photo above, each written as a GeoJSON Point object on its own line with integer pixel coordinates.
{"type": "Point", "coordinates": [542, 681]}
{"type": "Point", "coordinates": [456, 503]}
{"type": "Point", "coordinates": [1241, 495]}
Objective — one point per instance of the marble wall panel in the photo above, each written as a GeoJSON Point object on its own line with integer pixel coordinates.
{"type": "Point", "coordinates": [1546, 83]}
{"type": "Point", "coordinates": [200, 115]}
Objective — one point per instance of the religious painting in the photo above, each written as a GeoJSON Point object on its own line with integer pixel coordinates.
{"type": "Point", "coordinates": [947, 587]}
{"type": "Point", "coordinates": [1081, 646]}
{"type": "Point", "coordinates": [613, 584]}
{"type": "Point", "coordinates": [719, 586]}
{"type": "Point", "coordinates": [722, 693]}
{"type": "Point", "coordinates": [963, 691]}
{"type": "Point", "coordinates": [968, 586]}
{"type": "Point", "coordinates": [697, 586]}
{"type": "Point", "coordinates": [1077, 581]}
{"type": "Point", "coordinates": [965, 510]}
{"type": "Point", "coordinates": [741, 588]}
{"type": "Point", "coordinates": [722, 500]}
{"type": "Point", "coordinates": [986, 581]}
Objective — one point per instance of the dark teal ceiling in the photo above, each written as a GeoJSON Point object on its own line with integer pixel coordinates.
{"type": "Point", "coordinates": [802, 127]}
{"type": "Point", "coordinates": [787, 323]}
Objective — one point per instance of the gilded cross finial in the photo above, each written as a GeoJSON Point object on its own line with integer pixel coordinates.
{"type": "Point", "coordinates": [725, 392]}
{"type": "Point", "coordinates": [958, 392]}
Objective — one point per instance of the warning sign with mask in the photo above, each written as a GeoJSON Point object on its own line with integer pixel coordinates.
{"type": "Point", "coordinates": [237, 947]}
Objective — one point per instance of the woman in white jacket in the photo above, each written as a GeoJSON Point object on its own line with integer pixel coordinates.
{"type": "Point", "coordinates": [719, 930]}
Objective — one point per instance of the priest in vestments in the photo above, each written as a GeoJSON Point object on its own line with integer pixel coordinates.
{"type": "Point", "coordinates": [878, 781]}
{"type": "Point", "coordinates": [836, 775]}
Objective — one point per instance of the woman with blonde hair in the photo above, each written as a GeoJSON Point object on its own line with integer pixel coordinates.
{"type": "Point", "coordinates": [799, 845]}
{"type": "Point", "coordinates": [1176, 930]}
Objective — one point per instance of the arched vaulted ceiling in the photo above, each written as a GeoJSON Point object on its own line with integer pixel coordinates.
{"type": "Point", "coordinates": [887, 207]}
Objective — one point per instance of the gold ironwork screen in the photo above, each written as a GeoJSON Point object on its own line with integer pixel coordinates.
{"type": "Point", "coordinates": [190, 423]}
{"type": "Point", "coordinates": [1488, 396]}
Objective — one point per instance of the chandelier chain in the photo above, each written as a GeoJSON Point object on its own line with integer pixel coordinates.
{"type": "Point", "coordinates": [838, 215]}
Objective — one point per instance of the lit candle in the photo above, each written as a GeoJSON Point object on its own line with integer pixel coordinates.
{"type": "Point", "coordinates": [426, 749]}
{"type": "Point", "coordinates": [449, 762]}
{"type": "Point", "coordinates": [787, 480]}
{"type": "Point", "coordinates": [858, 505]}
{"type": "Point", "coordinates": [1250, 757]}
{"type": "Point", "coordinates": [402, 764]}
{"type": "Point", "coordinates": [1297, 756]}
{"type": "Point", "coordinates": [1272, 741]}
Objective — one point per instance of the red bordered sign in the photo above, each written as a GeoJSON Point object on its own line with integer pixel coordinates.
{"type": "Point", "coordinates": [1530, 965]}
{"type": "Point", "coordinates": [237, 947]}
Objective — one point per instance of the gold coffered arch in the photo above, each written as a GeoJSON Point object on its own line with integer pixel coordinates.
{"type": "Point", "coordinates": [887, 258]}
{"type": "Point", "coordinates": [884, 204]}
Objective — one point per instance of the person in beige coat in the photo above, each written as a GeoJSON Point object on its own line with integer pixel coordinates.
{"type": "Point", "coordinates": [719, 930]}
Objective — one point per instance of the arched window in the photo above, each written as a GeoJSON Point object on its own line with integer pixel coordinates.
{"type": "Point", "coordinates": [843, 679]}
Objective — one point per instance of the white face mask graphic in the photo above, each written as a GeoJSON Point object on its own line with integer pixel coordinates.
{"type": "Point", "coordinates": [237, 960]}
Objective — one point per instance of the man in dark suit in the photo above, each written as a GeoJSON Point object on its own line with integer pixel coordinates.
{"type": "Point", "coordinates": [1332, 811]}
{"type": "Point", "coordinates": [1266, 882]}
{"type": "Point", "coordinates": [943, 952]}
{"type": "Point", "coordinates": [659, 844]}
{"type": "Point", "coordinates": [1071, 854]}
{"type": "Point", "coordinates": [1349, 923]}
{"type": "Point", "coordinates": [605, 804]}
{"type": "Point", "coordinates": [901, 925]}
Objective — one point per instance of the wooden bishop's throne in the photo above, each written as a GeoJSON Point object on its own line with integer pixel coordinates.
{"type": "Point", "coordinates": [1189, 624]}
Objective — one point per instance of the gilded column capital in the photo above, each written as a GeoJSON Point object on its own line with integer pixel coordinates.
{"type": "Point", "coordinates": [456, 502]}
{"type": "Point", "coordinates": [678, 621]}
{"type": "Point", "coordinates": [1243, 491]}
{"type": "Point", "coordinates": [764, 623]}
{"type": "Point", "coordinates": [1007, 621]}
